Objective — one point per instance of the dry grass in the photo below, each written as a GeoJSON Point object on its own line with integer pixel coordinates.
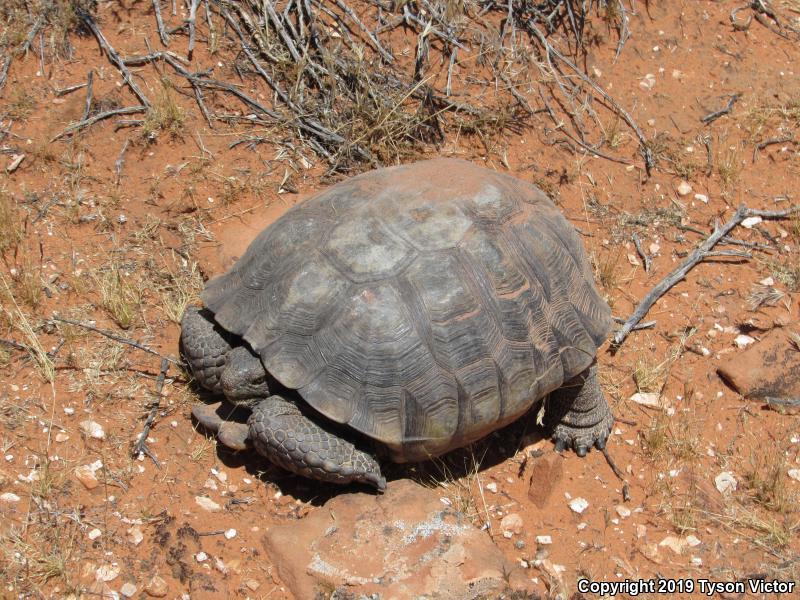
{"type": "Point", "coordinates": [787, 272]}
{"type": "Point", "coordinates": [11, 231]}
{"type": "Point", "coordinates": [607, 270]}
{"type": "Point", "coordinates": [18, 320]}
{"type": "Point", "coordinates": [729, 167]}
{"type": "Point", "coordinates": [120, 297]}
{"type": "Point", "coordinates": [165, 115]}
{"type": "Point", "coordinates": [766, 481]}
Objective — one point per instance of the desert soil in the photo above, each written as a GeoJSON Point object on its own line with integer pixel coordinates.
{"type": "Point", "coordinates": [708, 482]}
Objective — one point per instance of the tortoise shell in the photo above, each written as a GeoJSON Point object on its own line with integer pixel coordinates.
{"type": "Point", "coordinates": [424, 305]}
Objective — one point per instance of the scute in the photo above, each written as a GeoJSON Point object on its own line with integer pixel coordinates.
{"type": "Point", "coordinates": [424, 305]}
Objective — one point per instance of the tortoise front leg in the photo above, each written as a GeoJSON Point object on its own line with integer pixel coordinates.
{"type": "Point", "coordinates": [288, 438]}
{"type": "Point", "coordinates": [579, 414]}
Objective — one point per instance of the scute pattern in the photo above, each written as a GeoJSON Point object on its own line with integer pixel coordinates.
{"type": "Point", "coordinates": [423, 305]}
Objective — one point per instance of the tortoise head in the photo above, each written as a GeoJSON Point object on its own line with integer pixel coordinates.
{"type": "Point", "coordinates": [244, 379]}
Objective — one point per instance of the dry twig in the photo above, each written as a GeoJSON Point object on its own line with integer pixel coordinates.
{"type": "Point", "coordinates": [140, 447]}
{"type": "Point", "coordinates": [704, 251]}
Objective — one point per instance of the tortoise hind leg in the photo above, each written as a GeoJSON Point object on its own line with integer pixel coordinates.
{"type": "Point", "coordinates": [579, 414]}
{"type": "Point", "coordinates": [288, 438]}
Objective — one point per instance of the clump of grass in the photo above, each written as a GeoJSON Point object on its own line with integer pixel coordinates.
{"type": "Point", "coordinates": [761, 295]}
{"type": "Point", "coordinates": [729, 167]}
{"type": "Point", "coordinates": [164, 115]}
{"type": "Point", "coordinates": [607, 271]}
{"type": "Point", "coordinates": [649, 377]}
{"type": "Point", "coordinates": [787, 272]}
{"type": "Point", "coordinates": [11, 232]}
{"type": "Point", "coordinates": [179, 290]}
{"type": "Point", "coordinates": [765, 480]}
{"type": "Point", "coordinates": [667, 438]}
{"type": "Point", "coordinates": [14, 315]}
{"type": "Point", "coordinates": [120, 298]}
{"type": "Point", "coordinates": [28, 285]}
{"type": "Point", "coordinates": [20, 104]}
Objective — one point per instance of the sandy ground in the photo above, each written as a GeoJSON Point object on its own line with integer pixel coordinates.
{"type": "Point", "coordinates": [127, 254]}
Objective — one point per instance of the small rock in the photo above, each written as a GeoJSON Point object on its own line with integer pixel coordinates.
{"type": "Point", "coordinates": [92, 429]}
{"type": "Point", "coordinates": [702, 198]}
{"type": "Point", "coordinates": [743, 340]}
{"type": "Point", "coordinates": [578, 505]}
{"type": "Point", "coordinates": [94, 534]}
{"type": "Point", "coordinates": [641, 531]}
{"type": "Point", "coordinates": [156, 587]}
{"type": "Point", "coordinates": [673, 543]}
{"type": "Point", "coordinates": [220, 566]}
{"type": "Point", "coordinates": [546, 473]}
{"type": "Point", "coordinates": [61, 437]}
{"type": "Point", "coordinates": [767, 281]}
{"type": "Point", "coordinates": [544, 540]}
{"type": "Point", "coordinates": [725, 482]}
{"type": "Point", "coordinates": [684, 189]}
{"type": "Point", "coordinates": [623, 511]}
{"type": "Point", "coordinates": [654, 248]}
{"type": "Point", "coordinates": [85, 474]}
{"type": "Point", "coordinates": [230, 534]}
{"type": "Point", "coordinates": [511, 525]}
{"type": "Point", "coordinates": [692, 541]}
{"type": "Point", "coordinates": [696, 561]}
{"type": "Point", "coordinates": [252, 584]}
{"type": "Point", "coordinates": [68, 410]}
{"type": "Point", "coordinates": [492, 487]}
{"type": "Point", "coordinates": [648, 82]}
{"type": "Point", "coordinates": [207, 503]}
{"type": "Point", "coordinates": [107, 573]}
{"type": "Point", "coordinates": [751, 222]}
{"type": "Point", "coordinates": [135, 535]}
{"type": "Point", "coordinates": [650, 399]}
{"type": "Point", "coordinates": [201, 557]}
{"type": "Point", "coordinates": [793, 473]}
{"type": "Point", "coordinates": [128, 589]}
{"type": "Point", "coordinates": [9, 497]}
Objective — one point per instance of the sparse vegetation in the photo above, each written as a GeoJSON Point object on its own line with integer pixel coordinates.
{"type": "Point", "coordinates": [165, 115]}
{"type": "Point", "coordinates": [128, 245]}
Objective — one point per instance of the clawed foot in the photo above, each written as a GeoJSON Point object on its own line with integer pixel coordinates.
{"type": "Point", "coordinates": [582, 439]}
{"type": "Point", "coordinates": [578, 414]}
{"type": "Point", "coordinates": [227, 421]}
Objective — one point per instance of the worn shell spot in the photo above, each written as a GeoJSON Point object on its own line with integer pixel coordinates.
{"type": "Point", "coordinates": [364, 247]}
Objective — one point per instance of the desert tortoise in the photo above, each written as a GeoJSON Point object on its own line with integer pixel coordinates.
{"type": "Point", "coordinates": [423, 306]}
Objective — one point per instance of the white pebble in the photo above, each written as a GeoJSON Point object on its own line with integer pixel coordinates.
{"type": "Point", "coordinates": [750, 222]}
{"type": "Point", "coordinates": [9, 497]}
{"type": "Point", "coordinates": [92, 429]}
{"type": "Point", "coordinates": [623, 511]}
{"type": "Point", "coordinates": [492, 487]}
{"type": "Point", "coordinates": [94, 534]}
{"type": "Point", "coordinates": [684, 188]}
{"type": "Point", "coordinates": [578, 505]}
{"type": "Point", "coordinates": [128, 590]}
{"type": "Point", "coordinates": [201, 557]}
{"type": "Point", "coordinates": [207, 503]}
{"type": "Point", "coordinates": [544, 540]}
{"type": "Point", "coordinates": [230, 534]}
